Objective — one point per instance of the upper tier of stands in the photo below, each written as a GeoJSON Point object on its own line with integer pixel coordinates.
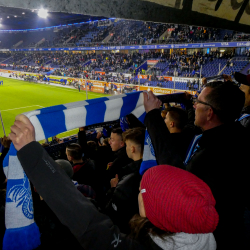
{"type": "Point", "coordinates": [114, 32]}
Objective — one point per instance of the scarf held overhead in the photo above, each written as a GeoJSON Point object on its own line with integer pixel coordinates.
{"type": "Point", "coordinates": [21, 230]}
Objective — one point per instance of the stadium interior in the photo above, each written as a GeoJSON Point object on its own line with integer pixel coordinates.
{"type": "Point", "coordinates": [52, 57]}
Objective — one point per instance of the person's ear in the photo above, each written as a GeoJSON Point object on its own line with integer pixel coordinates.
{"type": "Point", "coordinates": [171, 124]}
{"type": "Point", "coordinates": [210, 114]}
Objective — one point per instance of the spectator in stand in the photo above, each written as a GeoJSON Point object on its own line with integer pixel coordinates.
{"type": "Point", "coordinates": [101, 156]}
{"type": "Point", "coordinates": [215, 157]}
{"type": "Point", "coordinates": [84, 170]}
{"type": "Point", "coordinates": [122, 198]}
{"type": "Point", "coordinates": [86, 190]}
{"type": "Point", "coordinates": [121, 158]}
{"type": "Point", "coordinates": [176, 120]}
{"type": "Point", "coordinates": [168, 216]}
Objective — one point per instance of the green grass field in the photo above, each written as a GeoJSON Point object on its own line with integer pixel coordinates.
{"type": "Point", "coordinates": [17, 97]}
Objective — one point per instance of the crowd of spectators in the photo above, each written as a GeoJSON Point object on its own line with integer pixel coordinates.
{"type": "Point", "coordinates": [130, 32]}
{"type": "Point", "coordinates": [119, 67]}
{"type": "Point", "coordinates": [137, 32]}
{"type": "Point", "coordinates": [190, 201]}
{"type": "Point", "coordinates": [185, 33]}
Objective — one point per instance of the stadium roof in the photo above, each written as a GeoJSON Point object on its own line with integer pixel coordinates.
{"type": "Point", "coordinates": [233, 15]}
{"type": "Point", "coordinates": [14, 19]}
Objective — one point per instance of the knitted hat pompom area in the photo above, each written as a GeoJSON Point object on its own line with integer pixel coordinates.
{"type": "Point", "coordinates": [178, 201]}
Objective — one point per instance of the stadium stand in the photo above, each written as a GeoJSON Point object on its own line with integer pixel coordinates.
{"type": "Point", "coordinates": [116, 32]}
{"type": "Point", "coordinates": [110, 157]}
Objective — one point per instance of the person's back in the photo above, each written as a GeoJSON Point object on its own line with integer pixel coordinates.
{"type": "Point", "coordinates": [180, 137]}
{"type": "Point", "coordinates": [83, 169]}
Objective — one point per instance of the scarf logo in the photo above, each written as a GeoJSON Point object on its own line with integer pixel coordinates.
{"type": "Point", "coordinates": [21, 194]}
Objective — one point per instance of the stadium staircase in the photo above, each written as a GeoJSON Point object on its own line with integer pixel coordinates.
{"type": "Point", "coordinates": [68, 40]}
{"type": "Point", "coordinates": [6, 60]}
{"type": "Point", "coordinates": [224, 67]}
{"type": "Point", "coordinates": [40, 42]}
{"type": "Point", "coordinates": [166, 35]}
{"type": "Point", "coordinates": [245, 70]}
{"type": "Point", "coordinates": [17, 44]}
{"type": "Point", "coordinates": [87, 63]}
{"type": "Point", "coordinates": [107, 39]}
{"type": "Point", "coordinates": [239, 64]}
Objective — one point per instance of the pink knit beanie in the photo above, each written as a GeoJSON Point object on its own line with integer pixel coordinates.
{"type": "Point", "coordinates": [178, 201]}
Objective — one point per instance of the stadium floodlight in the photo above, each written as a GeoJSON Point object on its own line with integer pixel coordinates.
{"type": "Point", "coordinates": [23, 13]}
{"type": "Point", "coordinates": [42, 13]}
{"type": "Point", "coordinates": [8, 17]}
{"type": "Point", "coordinates": [0, 25]}
{"type": "Point", "coordinates": [15, 16]}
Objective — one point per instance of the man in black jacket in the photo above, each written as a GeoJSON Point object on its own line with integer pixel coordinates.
{"type": "Point", "coordinates": [221, 159]}
{"type": "Point", "coordinates": [84, 170]}
{"type": "Point", "coordinates": [120, 155]}
{"type": "Point", "coordinates": [122, 198]}
{"type": "Point", "coordinates": [176, 120]}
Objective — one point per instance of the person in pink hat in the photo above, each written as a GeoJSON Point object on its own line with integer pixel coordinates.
{"type": "Point", "coordinates": [177, 205]}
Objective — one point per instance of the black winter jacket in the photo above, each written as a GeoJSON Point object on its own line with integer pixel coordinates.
{"type": "Point", "coordinates": [222, 161]}
{"type": "Point", "coordinates": [92, 229]}
{"type": "Point", "coordinates": [122, 201]}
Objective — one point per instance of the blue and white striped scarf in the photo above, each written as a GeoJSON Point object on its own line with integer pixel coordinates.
{"type": "Point", "coordinates": [148, 159]}
{"type": "Point", "coordinates": [21, 230]}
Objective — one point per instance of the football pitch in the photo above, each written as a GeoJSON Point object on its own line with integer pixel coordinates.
{"type": "Point", "coordinates": [17, 97]}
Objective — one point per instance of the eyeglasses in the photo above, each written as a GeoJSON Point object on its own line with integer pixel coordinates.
{"type": "Point", "coordinates": [205, 103]}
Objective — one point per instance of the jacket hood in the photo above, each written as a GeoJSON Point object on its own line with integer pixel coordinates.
{"type": "Point", "coordinates": [184, 241]}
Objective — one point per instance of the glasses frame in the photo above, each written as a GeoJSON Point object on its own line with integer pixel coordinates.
{"type": "Point", "coordinates": [197, 101]}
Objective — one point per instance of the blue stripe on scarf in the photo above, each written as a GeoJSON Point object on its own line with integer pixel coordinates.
{"type": "Point", "coordinates": [52, 109]}
{"type": "Point", "coordinates": [148, 159]}
{"type": "Point", "coordinates": [145, 165]}
{"type": "Point", "coordinates": [46, 122]}
{"type": "Point", "coordinates": [97, 100]}
{"type": "Point", "coordinates": [95, 112]}
{"type": "Point", "coordinates": [142, 117]}
{"type": "Point", "coordinates": [15, 238]}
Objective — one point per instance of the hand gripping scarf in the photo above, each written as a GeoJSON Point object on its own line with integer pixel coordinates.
{"type": "Point", "coordinates": [21, 230]}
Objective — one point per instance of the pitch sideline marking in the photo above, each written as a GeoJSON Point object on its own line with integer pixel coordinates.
{"type": "Point", "coordinates": [23, 107]}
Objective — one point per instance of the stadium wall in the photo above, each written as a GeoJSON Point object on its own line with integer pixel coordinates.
{"type": "Point", "coordinates": [97, 86]}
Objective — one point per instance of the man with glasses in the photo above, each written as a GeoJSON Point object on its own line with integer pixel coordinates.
{"type": "Point", "coordinates": [220, 158]}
